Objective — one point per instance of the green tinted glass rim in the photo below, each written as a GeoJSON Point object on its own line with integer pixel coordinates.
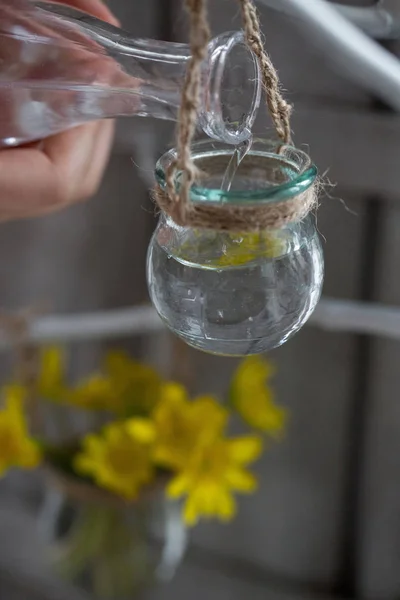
{"type": "Point", "coordinates": [303, 180]}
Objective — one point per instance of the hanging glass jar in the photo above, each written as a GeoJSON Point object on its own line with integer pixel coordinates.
{"type": "Point", "coordinates": [61, 67]}
{"type": "Point", "coordinates": [238, 292]}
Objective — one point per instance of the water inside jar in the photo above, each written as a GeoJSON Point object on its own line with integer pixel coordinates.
{"type": "Point", "coordinates": [244, 171]}
{"type": "Point", "coordinates": [239, 309]}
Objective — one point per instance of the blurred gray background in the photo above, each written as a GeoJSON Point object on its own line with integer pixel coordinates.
{"type": "Point", "coordinates": [326, 521]}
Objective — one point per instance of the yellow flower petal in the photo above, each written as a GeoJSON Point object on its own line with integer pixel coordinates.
{"type": "Point", "coordinates": [119, 458]}
{"type": "Point", "coordinates": [173, 393]}
{"type": "Point", "coordinates": [206, 498]}
{"type": "Point", "coordinates": [246, 449]}
{"type": "Point", "coordinates": [254, 400]}
{"type": "Point", "coordinates": [190, 512]}
{"type": "Point", "coordinates": [208, 501]}
{"type": "Point", "coordinates": [112, 433]}
{"type": "Point", "coordinates": [226, 505]}
{"type": "Point", "coordinates": [178, 486]}
{"type": "Point", "coordinates": [52, 371]}
{"type": "Point", "coordinates": [136, 386]}
{"type": "Point", "coordinates": [207, 408]}
{"type": "Point", "coordinates": [213, 470]}
{"type": "Point", "coordinates": [93, 444]}
{"type": "Point", "coordinates": [17, 448]}
{"type": "Point", "coordinates": [142, 429]}
{"type": "Point", "coordinates": [94, 393]}
{"type": "Point", "coordinates": [30, 457]}
{"type": "Point", "coordinates": [117, 362]}
{"type": "Point", "coordinates": [84, 464]}
{"type": "Point", "coordinates": [242, 248]}
{"type": "Point", "coordinates": [15, 395]}
{"type": "Point", "coordinates": [254, 370]}
{"type": "Point", "coordinates": [182, 426]}
{"type": "Point", "coordinates": [241, 481]}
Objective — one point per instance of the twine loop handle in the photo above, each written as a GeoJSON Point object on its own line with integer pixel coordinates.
{"type": "Point", "coordinates": [177, 204]}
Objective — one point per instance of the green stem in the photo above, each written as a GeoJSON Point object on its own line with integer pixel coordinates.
{"type": "Point", "coordinates": [111, 549]}
{"type": "Point", "coordinates": [82, 542]}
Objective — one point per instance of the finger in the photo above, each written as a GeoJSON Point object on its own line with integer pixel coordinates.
{"type": "Point", "coordinates": [75, 155]}
{"type": "Point", "coordinates": [92, 173]}
{"type": "Point", "coordinates": [80, 160]}
{"type": "Point", "coordinates": [33, 181]}
{"type": "Point", "coordinates": [26, 180]}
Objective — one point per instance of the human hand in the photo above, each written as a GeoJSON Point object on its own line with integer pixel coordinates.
{"type": "Point", "coordinates": [63, 169]}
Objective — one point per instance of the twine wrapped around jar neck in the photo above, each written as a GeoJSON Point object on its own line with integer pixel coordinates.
{"type": "Point", "coordinates": [177, 204]}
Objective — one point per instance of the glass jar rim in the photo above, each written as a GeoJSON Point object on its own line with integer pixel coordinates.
{"type": "Point", "coordinates": [303, 172]}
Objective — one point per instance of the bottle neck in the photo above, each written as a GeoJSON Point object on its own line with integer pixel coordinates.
{"type": "Point", "coordinates": [154, 71]}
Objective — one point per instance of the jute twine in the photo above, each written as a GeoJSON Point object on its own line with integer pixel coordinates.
{"type": "Point", "coordinates": [226, 217]}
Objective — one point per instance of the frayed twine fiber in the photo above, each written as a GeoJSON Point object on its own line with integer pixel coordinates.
{"type": "Point", "coordinates": [226, 217]}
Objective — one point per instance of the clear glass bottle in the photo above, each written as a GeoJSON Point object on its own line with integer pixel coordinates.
{"type": "Point", "coordinates": [106, 547]}
{"type": "Point", "coordinates": [231, 293]}
{"type": "Point", "coordinates": [61, 67]}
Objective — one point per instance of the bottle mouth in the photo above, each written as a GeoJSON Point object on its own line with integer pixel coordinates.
{"type": "Point", "coordinates": [270, 172]}
{"type": "Point", "coordinates": [233, 89]}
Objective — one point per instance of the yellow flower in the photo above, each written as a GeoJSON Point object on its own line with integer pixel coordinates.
{"type": "Point", "coordinates": [136, 385]}
{"type": "Point", "coordinates": [182, 424]}
{"type": "Point", "coordinates": [51, 380]}
{"type": "Point", "coordinates": [17, 449]}
{"type": "Point", "coordinates": [241, 249]}
{"type": "Point", "coordinates": [94, 393]}
{"type": "Point", "coordinates": [213, 473]}
{"type": "Point", "coordinates": [254, 399]}
{"type": "Point", "coordinates": [232, 250]}
{"type": "Point", "coordinates": [124, 387]}
{"type": "Point", "coordinates": [119, 458]}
